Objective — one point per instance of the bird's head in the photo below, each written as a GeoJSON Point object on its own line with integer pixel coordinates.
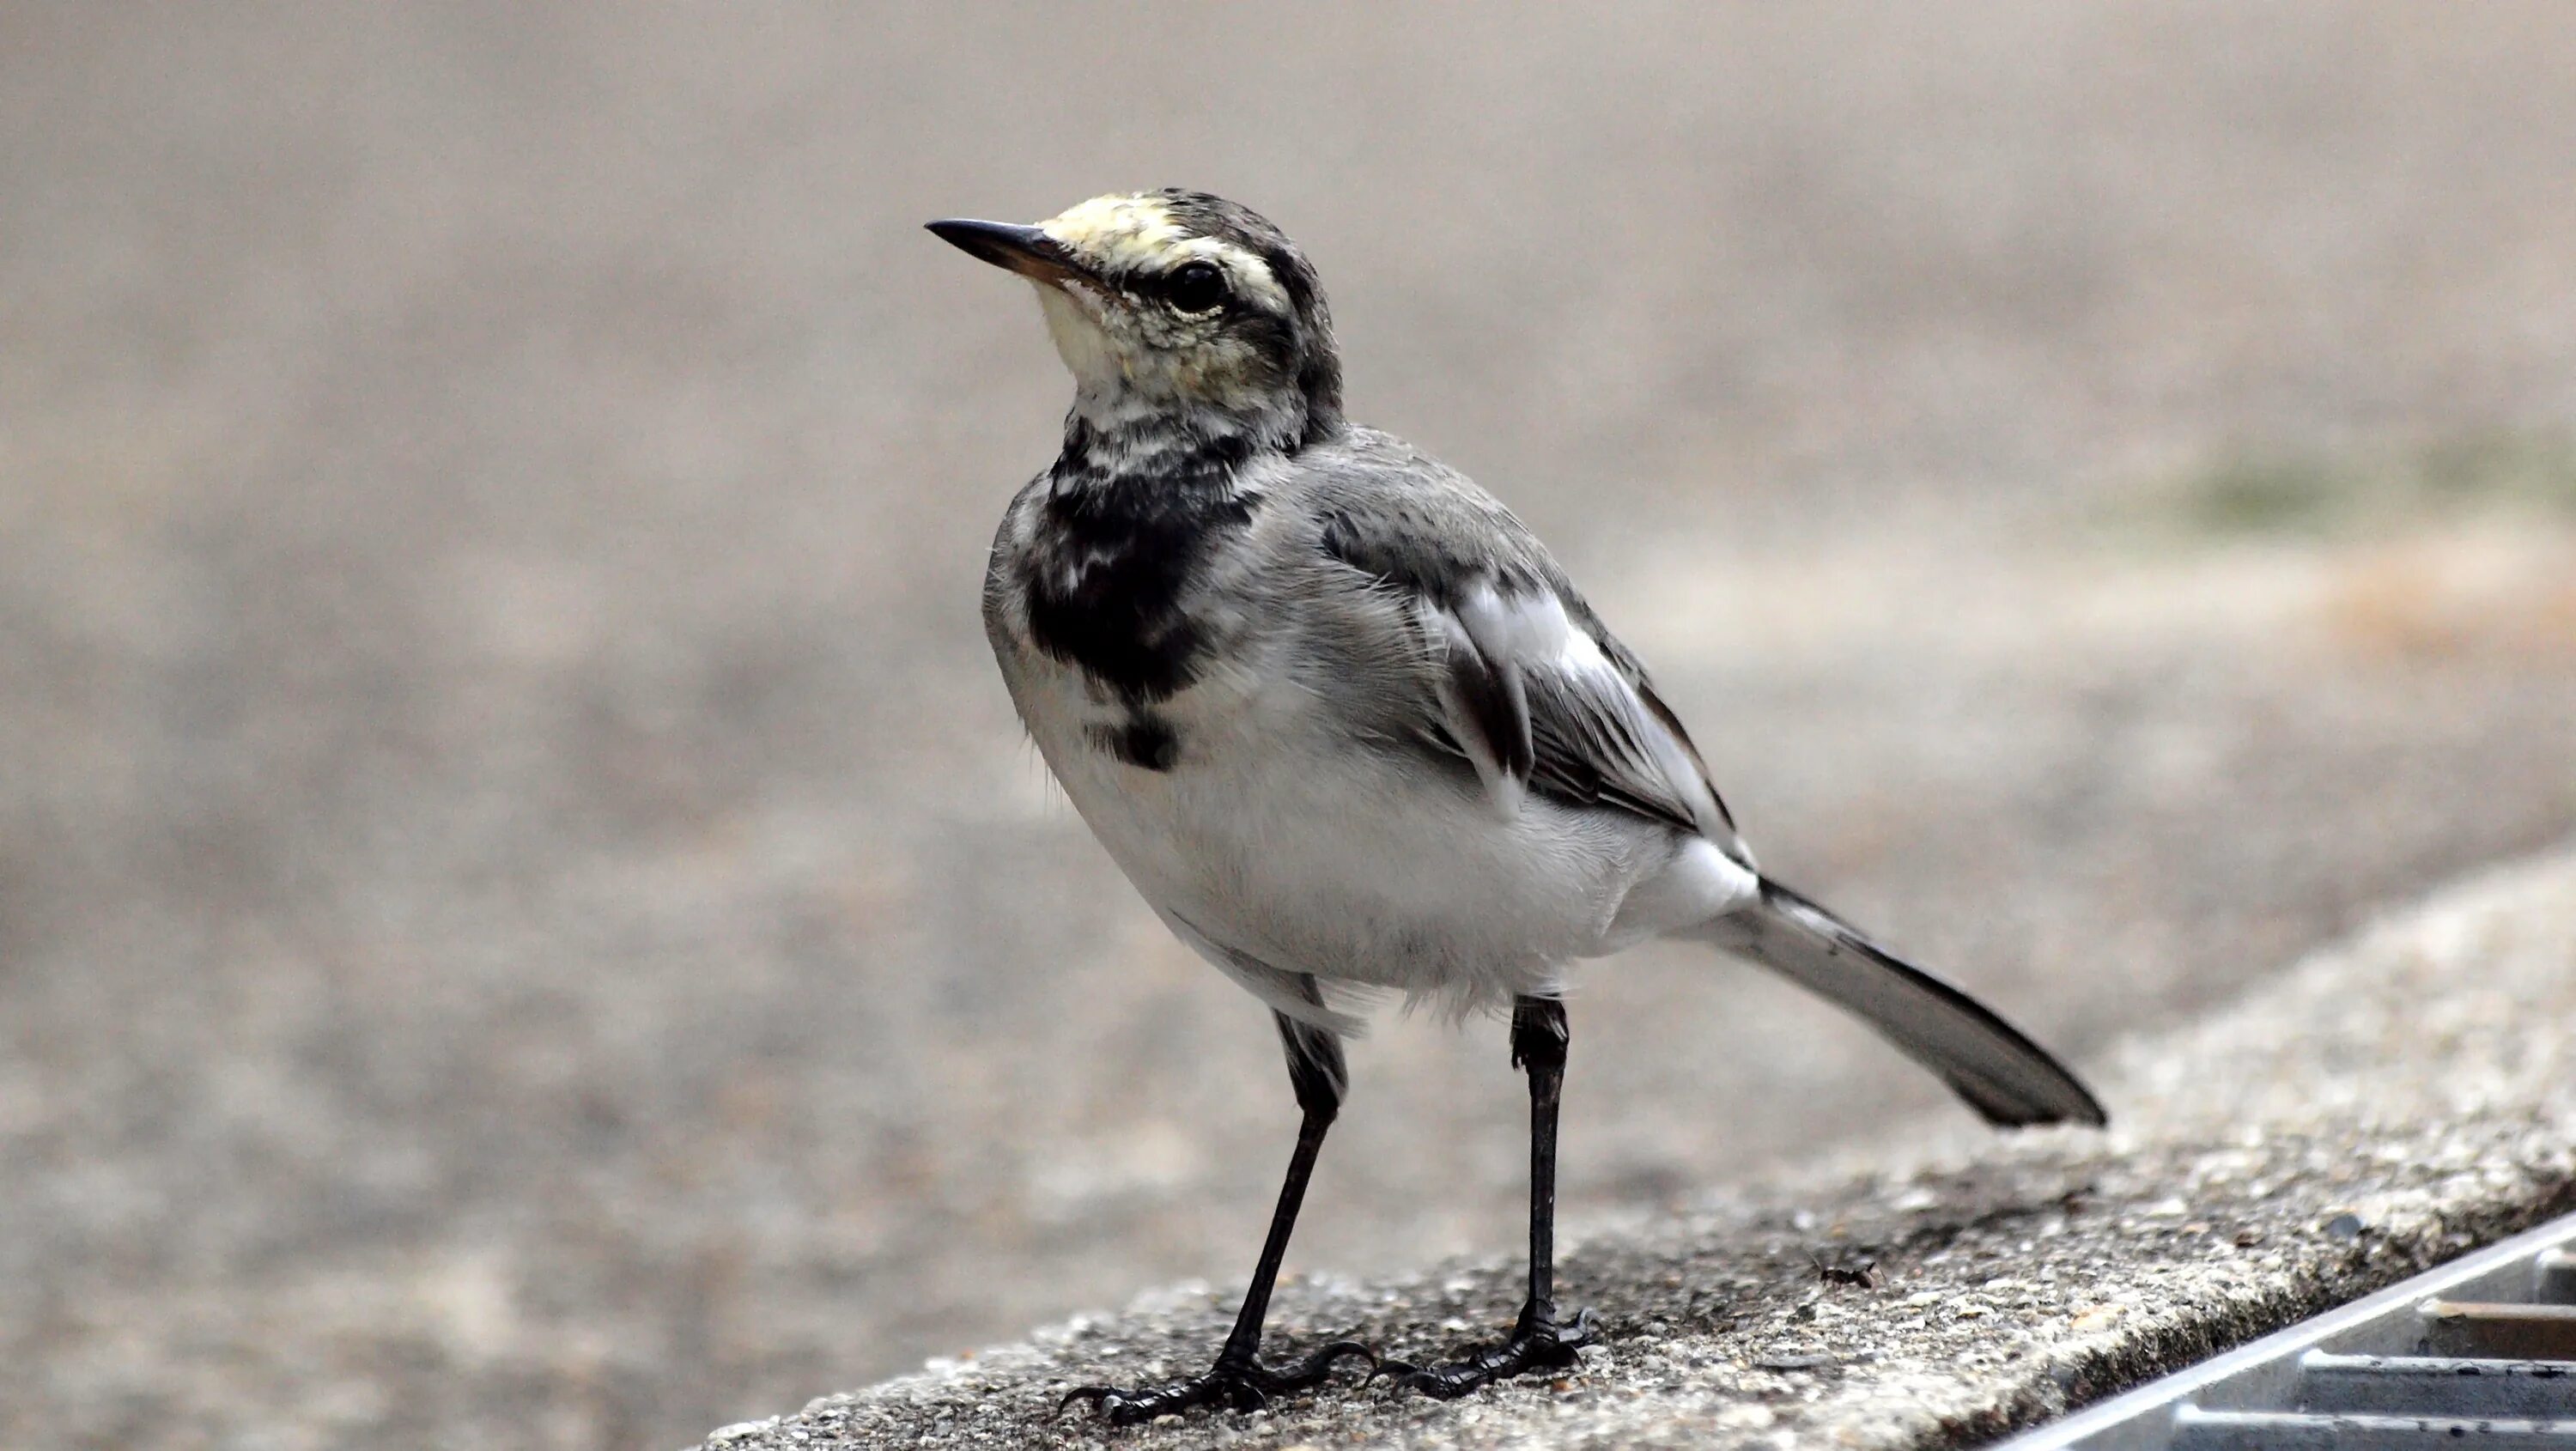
{"type": "Point", "coordinates": [1176, 303]}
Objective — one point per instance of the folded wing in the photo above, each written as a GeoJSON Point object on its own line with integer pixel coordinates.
{"type": "Point", "coordinates": [1539, 701]}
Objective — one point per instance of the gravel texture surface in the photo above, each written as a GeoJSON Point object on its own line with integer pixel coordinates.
{"type": "Point", "coordinates": [2389, 1103]}
{"type": "Point", "coordinates": [525, 918]}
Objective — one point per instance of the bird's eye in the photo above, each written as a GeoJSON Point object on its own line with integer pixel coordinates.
{"type": "Point", "coordinates": [1195, 287]}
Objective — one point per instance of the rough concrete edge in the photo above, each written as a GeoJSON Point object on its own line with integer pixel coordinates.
{"type": "Point", "coordinates": [2411, 1230]}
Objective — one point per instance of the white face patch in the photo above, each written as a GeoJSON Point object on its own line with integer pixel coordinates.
{"type": "Point", "coordinates": [1135, 354]}
{"type": "Point", "coordinates": [1135, 232]}
{"type": "Point", "coordinates": [1117, 232]}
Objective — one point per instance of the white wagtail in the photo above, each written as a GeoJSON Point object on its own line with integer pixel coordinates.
{"type": "Point", "coordinates": [1347, 726]}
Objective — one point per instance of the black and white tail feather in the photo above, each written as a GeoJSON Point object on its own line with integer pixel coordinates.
{"type": "Point", "coordinates": [2004, 1076]}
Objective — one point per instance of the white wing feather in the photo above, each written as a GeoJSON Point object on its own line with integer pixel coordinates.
{"type": "Point", "coordinates": [1537, 703]}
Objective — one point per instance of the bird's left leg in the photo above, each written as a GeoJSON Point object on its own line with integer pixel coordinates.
{"type": "Point", "coordinates": [1540, 1340]}
{"type": "Point", "coordinates": [1239, 1379]}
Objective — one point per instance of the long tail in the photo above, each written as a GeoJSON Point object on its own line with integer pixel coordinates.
{"type": "Point", "coordinates": [1985, 1060]}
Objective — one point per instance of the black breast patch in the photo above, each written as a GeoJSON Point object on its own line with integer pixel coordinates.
{"type": "Point", "coordinates": [1105, 591]}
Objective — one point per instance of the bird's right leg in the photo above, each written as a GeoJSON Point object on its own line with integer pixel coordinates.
{"type": "Point", "coordinates": [1239, 1379]}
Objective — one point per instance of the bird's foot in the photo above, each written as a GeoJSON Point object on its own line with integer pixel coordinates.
{"type": "Point", "coordinates": [1242, 1385]}
{"type": "Point", "coordinates": [1538, 1342]}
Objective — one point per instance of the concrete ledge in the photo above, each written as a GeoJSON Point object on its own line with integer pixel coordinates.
{"type": "Point", "coordinates": [2387, 1104]}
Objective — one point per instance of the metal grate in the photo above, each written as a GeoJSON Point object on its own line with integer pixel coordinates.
{"type": "Point", "coordinates": [2482, 1349]}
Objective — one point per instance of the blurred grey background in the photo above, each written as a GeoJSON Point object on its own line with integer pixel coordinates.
{"type": "Point", "coordinates": [525, 918]}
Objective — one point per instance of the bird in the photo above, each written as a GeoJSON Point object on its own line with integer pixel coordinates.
{"type": "Point", "coordinates": [1351, 731]}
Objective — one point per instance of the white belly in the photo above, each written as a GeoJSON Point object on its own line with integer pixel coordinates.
{"type": "Point", "coordinates": [1278, 838]}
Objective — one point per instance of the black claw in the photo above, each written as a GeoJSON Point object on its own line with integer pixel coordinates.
{"type": "Point", "coordinates": [1095, 1394]}
{"type": "Point", "coordinates": [1537, 1343]}
{"type": "Point", "coordinates": [1321, 1363]}
{"type": "Point", "coordinates": [1244, 1386]}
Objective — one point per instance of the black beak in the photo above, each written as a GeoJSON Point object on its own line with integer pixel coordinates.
{"type": "Point", "coordinates": [1025, 250]}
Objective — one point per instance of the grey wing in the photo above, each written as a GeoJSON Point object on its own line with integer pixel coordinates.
{"type": "Point", "coordinates": [1528, 685]}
